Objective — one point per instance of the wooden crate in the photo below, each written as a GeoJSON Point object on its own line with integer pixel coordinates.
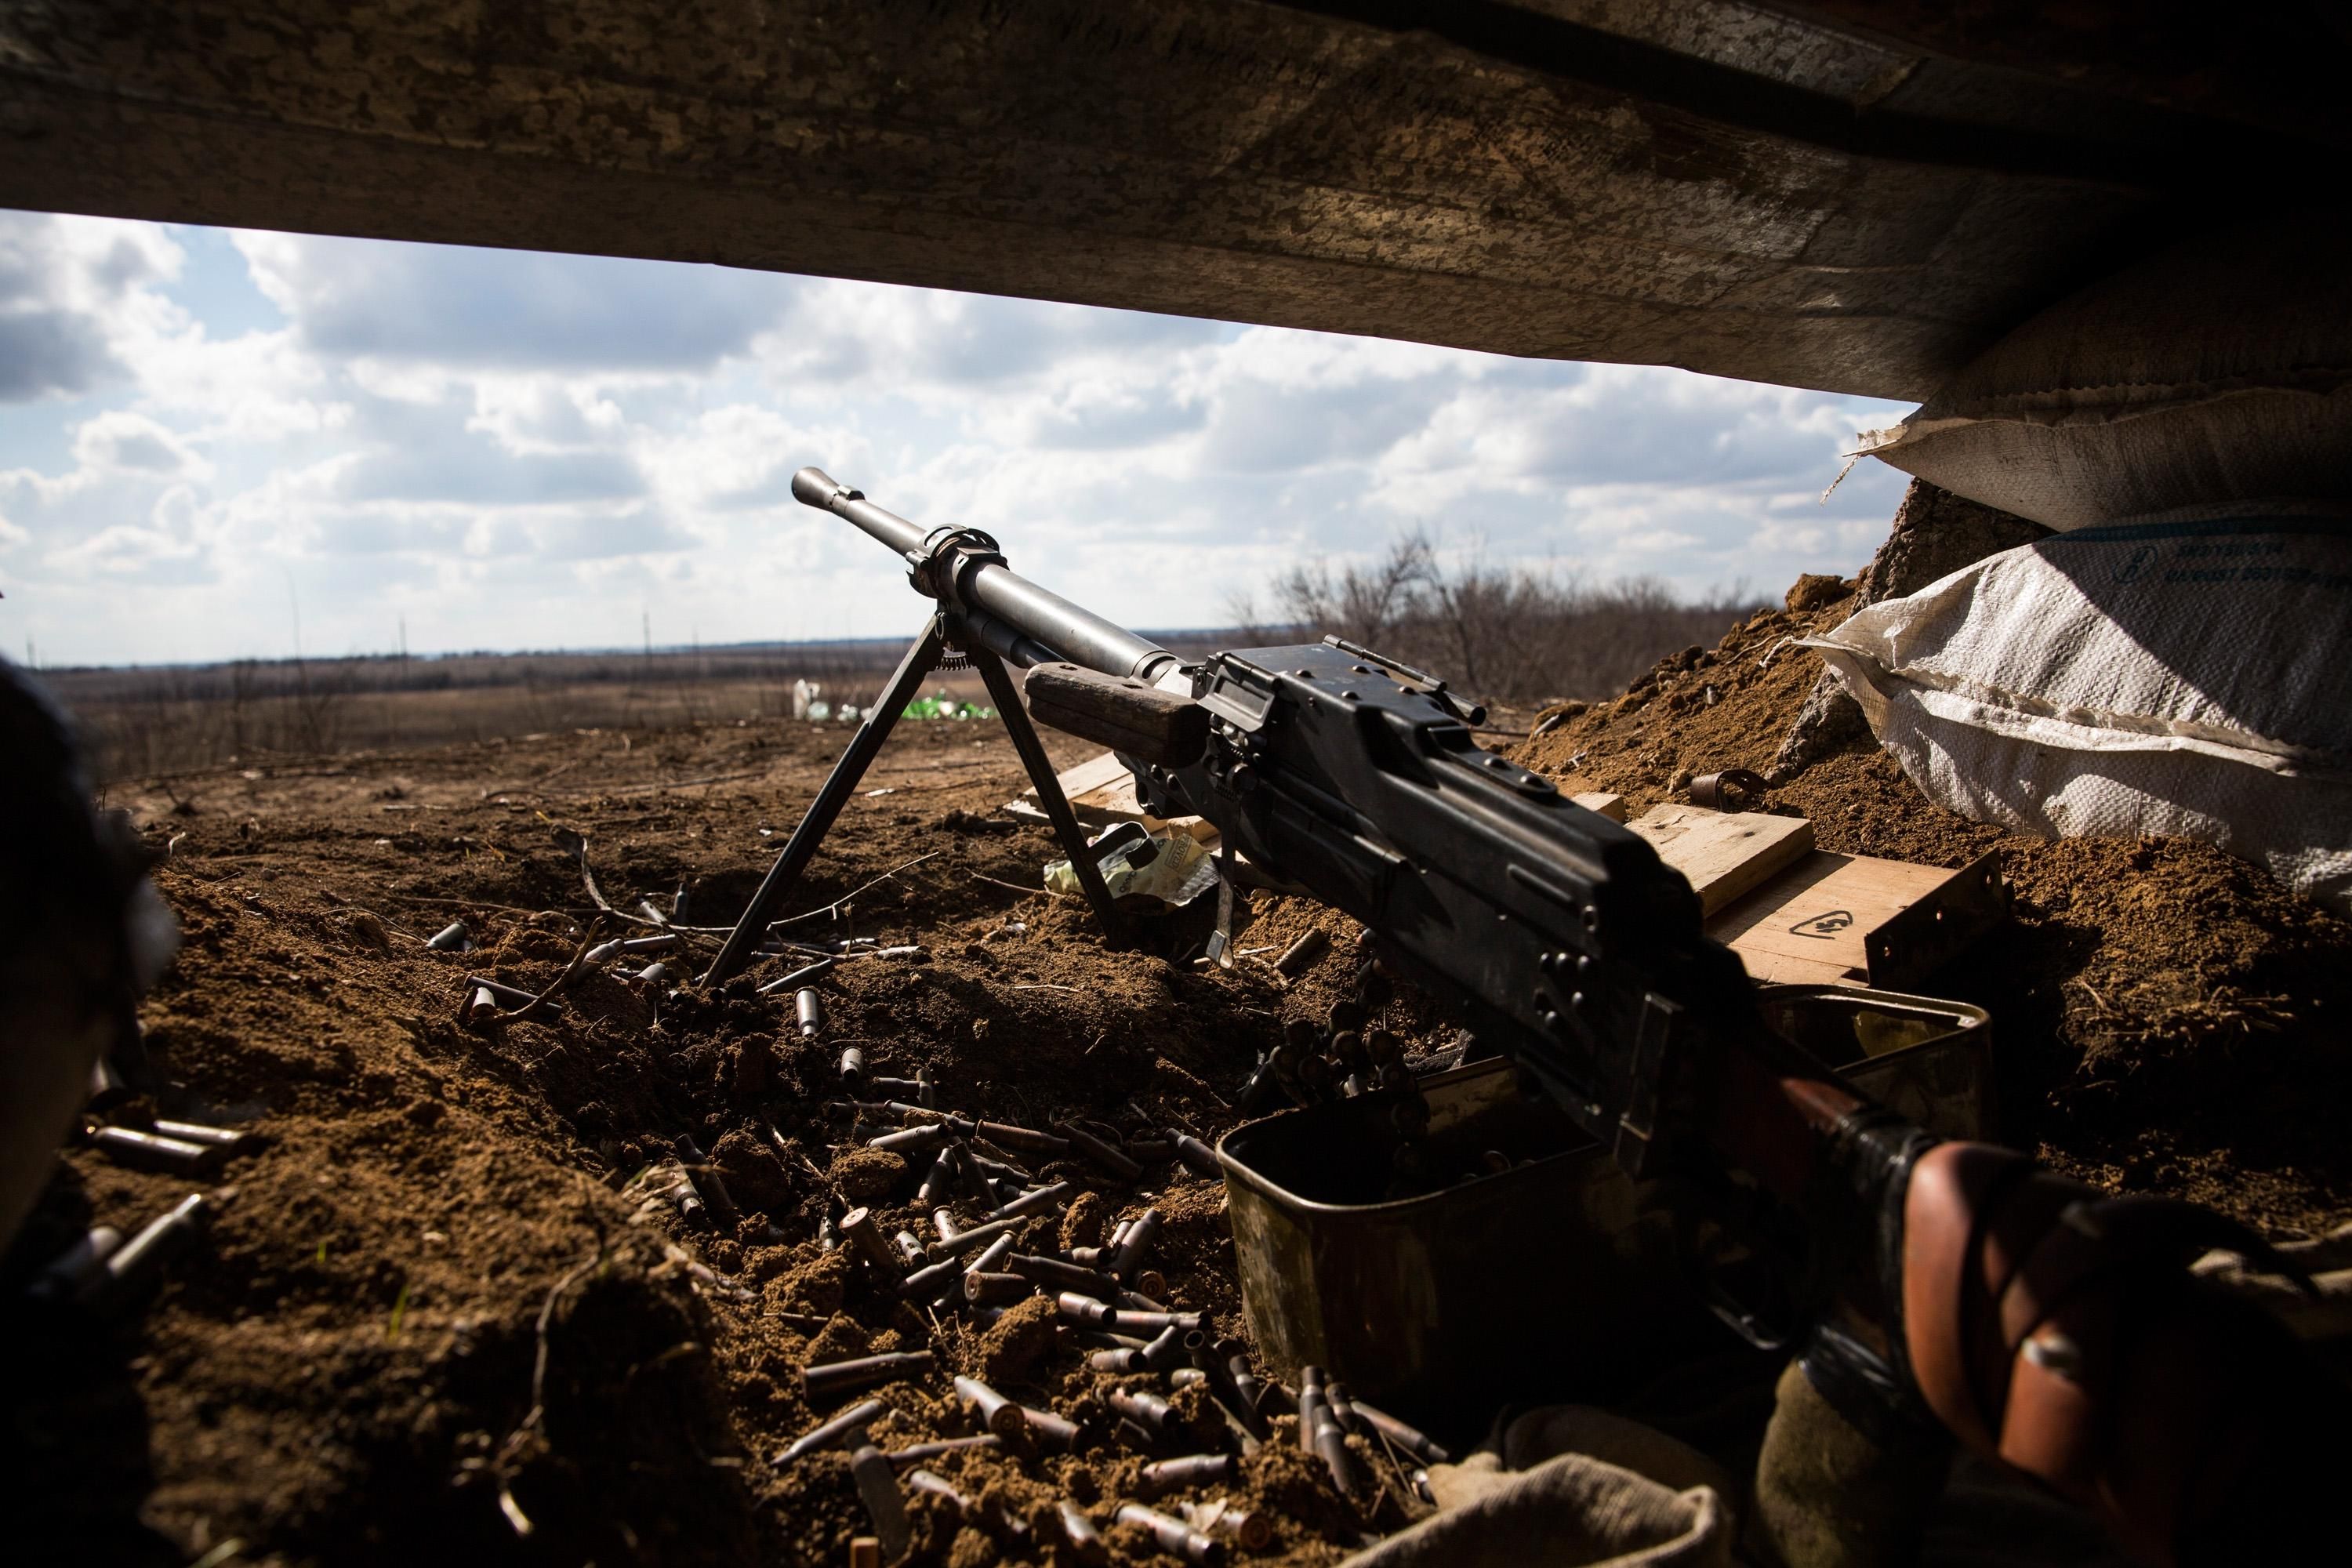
{"type": "Point", "coordinates": [1851, 920]}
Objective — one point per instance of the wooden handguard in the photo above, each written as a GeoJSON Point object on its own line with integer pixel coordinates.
{"type": "Point", "coordinates": [2055, 1328]}
{"type": "Point", "coordinates": [1120, 711]}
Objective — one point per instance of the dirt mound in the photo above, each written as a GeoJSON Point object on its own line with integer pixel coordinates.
{"type": "Point", "coordinates": [2165, 1016]}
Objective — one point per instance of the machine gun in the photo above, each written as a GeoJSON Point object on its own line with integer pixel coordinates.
{"type": "Point", "coordinates": [2040, 1321]}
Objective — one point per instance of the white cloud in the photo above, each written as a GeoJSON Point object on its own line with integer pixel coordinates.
{"type": "Point", "coordinates": [516, 450]}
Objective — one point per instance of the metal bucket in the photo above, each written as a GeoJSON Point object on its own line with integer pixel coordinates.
{"type": "Point", "coordinates": [1551, 1278]}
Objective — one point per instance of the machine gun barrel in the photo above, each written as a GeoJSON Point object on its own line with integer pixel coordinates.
{"type": "Point", "coordinates": [1021, 622]}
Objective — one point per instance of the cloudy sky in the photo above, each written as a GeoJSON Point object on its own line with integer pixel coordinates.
{"type": "Point", "coordinates": [203, 432]}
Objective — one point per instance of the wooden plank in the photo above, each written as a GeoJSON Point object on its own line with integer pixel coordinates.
{"type": "Point", "coordinates": [1102, 792]}
{"type": "Point", "coordinates": [1724, 853]}
{"type": "Point", "coordinates": [1612, 806]}
{"type": "Point", "coordinates": [1853, 919]}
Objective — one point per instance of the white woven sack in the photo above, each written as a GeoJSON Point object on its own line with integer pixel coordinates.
{"type": "Point", "coordinates": [2186, 676]}
{"type": "Point", "coordinates": [2219, 370]}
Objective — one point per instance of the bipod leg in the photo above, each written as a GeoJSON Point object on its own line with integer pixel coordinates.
{"type": "Point", "coordinates": [1049, 794]}
{"type": "Point", "coordinates": [920, 660]}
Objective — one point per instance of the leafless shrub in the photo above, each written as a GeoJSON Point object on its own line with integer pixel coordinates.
{"type": "Point", "coordinates": [1513, 634]}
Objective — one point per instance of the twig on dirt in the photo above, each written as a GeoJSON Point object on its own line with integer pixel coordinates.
{"type": "Point", "coordinates": [670, 783]}
{"type": "Point", "coordinates": [1042, 985]}
{"type": "Point", "coordinates": [537, 1416]}
{"type": "Point", "coordinates": [537, 1004]}
{"type": "Point", "coordinates": [464, 904]}
{"type": "Point", "coordinates": [1015, 887]}
{"type": "Point", "coordinates": [862, 887]}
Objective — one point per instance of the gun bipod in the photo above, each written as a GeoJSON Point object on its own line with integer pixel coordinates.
{"type": "Point", "coordinates": [940, 634]}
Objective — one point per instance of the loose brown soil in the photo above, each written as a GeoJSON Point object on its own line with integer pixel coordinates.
{"type": "Point", "coordinates": [434, 1315]}
{"type": "Point", "coordinates": [2167, 1018]}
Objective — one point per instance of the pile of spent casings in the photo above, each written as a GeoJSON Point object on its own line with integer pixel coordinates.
{"type": "Point", "coordinates": [981, 1198]}
{"type": "Point", "coordinates": [1349, 1054]}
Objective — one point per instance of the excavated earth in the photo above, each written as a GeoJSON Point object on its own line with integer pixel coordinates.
{"type": "Point", "coordinates": [434, 1312]}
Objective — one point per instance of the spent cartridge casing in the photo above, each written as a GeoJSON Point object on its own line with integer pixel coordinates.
{"type": "Point", "coordinates": [995, 1289]}
{"type": "Point", "coordinates": [1331, 1446]}
{"type": "Point", "coordinates": [151, 1151]}
{"type": "Point", "coordinates": [1087, 1309]}
{"type": "Point", "coordinates": [1056, 1275]}
{"type": "Point", "coordinates": [227, 1138]}
{"type": "Point", "coordinates": [1135, 1243]}
{"type": "Point", "coordinates": [450, 937]}
{"type": "Point", "coordinates": [1166, 1349]}
{"type": "Point", "coordinates": [977, 1236]}
{"type": "Point", "coordinates": [937, 1486]}
{"type": "Point", "coordinates": [798, 977]}
{"type": "Point", "coordinates": [935, 1282]}
{"type": "Point", "coordinates": [1164, 1475]}
{"type": "Point", "coordinates": [1049, 1429]}
{"type": "Point", "coordinates": [1197, 1156]}
{"type": "Point", "coordinates": [1143, 1408]}
{"type": "Point", "coordinates": [835, 1379]}
{"type": "Point", "coordinates": [1254, 1529]}
{"type": "Point", "coordinates": [996, 1413]}
{"type": "Point", "coordinates": [1335, 1399]}
{"type": "Point", "coordinates": [998, 1166]}
{"type": "Point", "coordinates": [1117, 1161]}
{"type": "Point", "coordinates": [852, 1061]}
{"type": "Point", "coordinates": [867, 1235]}
{"type": "Point", "coordinates": [991, 1259]}
{"type": "Point", "coordinates": [1027, 1138]}
{"type": "Point", "coordinates": [1245, 1382]}
{"type": "Point", "coordinates": [937, 1182]}
{"type": "Point", "coordinates": [825, 1434]}
{"type": "Point", "coordinates": [1174, 1536]}
{"type": "Point", "coordinates": [1300, 954]}
{"type": "Point", "coordinates": [911, 1249]}
{"type": "Point", "coordinates": [1080, 1532]}
{"type": "Point", "coordinates": [943, 1221]}
{"type": "Point", "coordinates": [878, 1488]}
{"type": "Point", "coordinates": [808, 1003]}
{"type": "Point", "coordinates": [1411, 1439]}
{"type": "Point", "coordinates": [133, 1265]}
{"type": "Point", "coordinates": [1310, 1406]}
{"type": "Point", "coordinates": [910, 1139]}
{"type": "Point", "coordinates": [1033, 1202]}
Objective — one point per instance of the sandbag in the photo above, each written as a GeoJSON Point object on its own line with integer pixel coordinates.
{"type": "Point", "coordinates": [2218, 370]}
{"type": "Point", "coordinates": [2183, 675]}
{"type": "Point", "coordinates": [1571, 1485]}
